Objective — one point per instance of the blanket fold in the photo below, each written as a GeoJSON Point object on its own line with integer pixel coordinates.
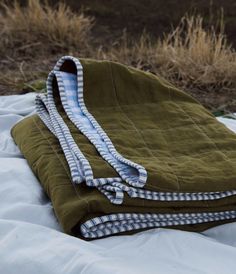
{"type": "Point", "coordinates": [119, 150]}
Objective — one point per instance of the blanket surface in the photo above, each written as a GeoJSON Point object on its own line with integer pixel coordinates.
{"type": "Point", "coordinates": [120, 150]}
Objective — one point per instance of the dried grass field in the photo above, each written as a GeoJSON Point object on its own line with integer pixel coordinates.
{"type": "Point", "coordinates": [194, 56]}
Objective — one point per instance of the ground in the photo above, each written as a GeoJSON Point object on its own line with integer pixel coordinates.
{"type": "Point", "coordinates": [111, 18]}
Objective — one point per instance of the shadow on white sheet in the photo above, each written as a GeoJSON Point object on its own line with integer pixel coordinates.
{"type": "Point", "coordinates": [31, 240]}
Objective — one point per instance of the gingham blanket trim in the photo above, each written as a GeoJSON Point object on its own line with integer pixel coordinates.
{"type": "Point", "coordinates": [80, 168]}
{"type": "Point", "coordinates": [117, 223]}
{"type": "Point", "coordinates": [112, 188]}
{"type": "Point", "coordinates": [124, 167]}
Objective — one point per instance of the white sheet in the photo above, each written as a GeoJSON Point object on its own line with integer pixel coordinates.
{"type": "Point", "coordinates": [31, 240]}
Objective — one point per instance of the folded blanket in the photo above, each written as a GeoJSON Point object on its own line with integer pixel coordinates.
{"type": "Point", "coordinates": [119, 150]}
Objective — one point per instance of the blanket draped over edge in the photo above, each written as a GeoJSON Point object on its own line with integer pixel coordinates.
{"type": "Point", "coordinates": [119, 150]}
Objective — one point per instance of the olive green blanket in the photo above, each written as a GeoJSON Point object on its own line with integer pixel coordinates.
{"type": "Point", "coordinates": [119, 150]}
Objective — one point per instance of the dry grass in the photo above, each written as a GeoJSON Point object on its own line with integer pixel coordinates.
{"type": "Point", "coordinates": [192, 57]}
{"type": "Point", "coordinates": [40, 28]}
{"type": "Point", "coordinates": [19, 76]}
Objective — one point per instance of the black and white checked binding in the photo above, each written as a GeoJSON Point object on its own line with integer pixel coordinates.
{"type": "Point", "coordinates": [112, 188]}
